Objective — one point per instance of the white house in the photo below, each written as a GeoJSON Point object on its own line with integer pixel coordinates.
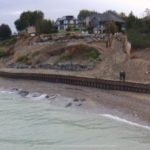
{"type": "Point", "coordinates": [66, 22]}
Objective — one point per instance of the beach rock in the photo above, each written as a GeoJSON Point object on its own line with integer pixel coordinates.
{"type": "Point", "coordinates": [36, 94]}
{"type": "Point", "coordinates": [83, 100]}
{"type": "Point", "coordinates": [14, 90]}
{"type": "Point", "coordinates": [72, 67]}
{"type": "Point", "coordinates": [52, 97]}
{"type": "Point", "coordinates": [76, 100]}
{"type": "Point", "coordinates": [11, 66]}
{"type": "Point", "coordinates": [18, 66]}
{"type": "Point", "coordinates": [68, 105]}
{"type": "Point", "coordinates": [21, 66]}
{"type": "Point", "coordinates": [45, 66]}
{"type": "Point", "coordinates": [79, 105]}
{"type": "Point", "coordinates": [24, 93]}
{"type": "Point", "coordinates": [47, 96]}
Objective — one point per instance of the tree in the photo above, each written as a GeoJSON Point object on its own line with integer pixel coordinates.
{"type": "Point", "coordinates": [44, 26]}
{"type": "Point", "coordinates": [35, 17]}
{"type": "Point", "coordinates": [84, 13]}
{"type": "Point", "coordinates": [5, 31]}
{"type": "Point", "coordinates": [20, 26]}
{"type": "Point", "coordinates": [28, 18]}
{"type": "Point", "coordinates": [147, 12]}
{"type": "Point", "coordinates": [69, 28]}
{"type": "Point", "coordinates": [131, 20]}
{"type": "Point", "coordinates": [146, 20]}
{"type": "Point", "coordinates": [123, 15]}
{"type": "Point", "coordinates": [111, 27]}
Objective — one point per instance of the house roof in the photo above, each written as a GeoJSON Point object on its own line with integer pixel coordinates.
{"type": "Point", "coordinates": [95, 15]}
{"type": "Point", "coordinates": [110, 16]}
{"type": "Point", "coordinates": [69, 18]}
{"type": "Point", "coordinates": [66, 18]}
{"type": "Point", "coordinates": [105, 17]}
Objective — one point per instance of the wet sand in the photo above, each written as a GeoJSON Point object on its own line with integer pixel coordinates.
{"type": "Point", "coordinates": [131, 106]}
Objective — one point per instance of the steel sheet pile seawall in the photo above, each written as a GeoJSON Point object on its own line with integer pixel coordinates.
{"type": "Point", "coordinates": [81, 81]}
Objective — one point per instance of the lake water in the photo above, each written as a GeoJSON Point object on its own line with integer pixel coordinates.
{"type": "Point", "coordinates": [29, 124]}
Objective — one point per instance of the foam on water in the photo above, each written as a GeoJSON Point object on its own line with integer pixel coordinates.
{"type": "Point", "coordinates": [37, 96]}
{"type": "Point", "coordinates": [9, 91]}
{"type": "Point", "coordinates": [125, 121]}
{"type": "Point", "coordinates": [33, 96]}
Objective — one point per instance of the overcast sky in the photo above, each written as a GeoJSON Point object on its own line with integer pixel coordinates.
{"type": "Point", "coordinates": [10, 10]}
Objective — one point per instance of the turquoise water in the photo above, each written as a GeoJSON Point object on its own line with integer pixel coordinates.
{"type": "Point", "coordinates": [27, 124]}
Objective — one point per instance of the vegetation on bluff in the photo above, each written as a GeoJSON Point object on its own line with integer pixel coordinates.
{"type": "Point", "coordinates": [5, 32]}
{"type": "Point", "coordinates": [81, 52]}
{"type": "Point", "coordinates": [138, 30]}
{"type": "Point", "coordinates": [36, 19]}
{"type": "Point", "coordinates": [2, 52]}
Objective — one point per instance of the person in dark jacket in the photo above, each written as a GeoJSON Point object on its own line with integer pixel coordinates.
{"type": "Point", "coordinates": [122, 76]}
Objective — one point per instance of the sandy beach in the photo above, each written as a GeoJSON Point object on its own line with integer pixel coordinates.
{"type": "Point", "coordinates": [131, 106]}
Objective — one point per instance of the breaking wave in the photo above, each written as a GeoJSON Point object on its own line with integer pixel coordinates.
{"type": "Point", "coordinates": [125, 121]}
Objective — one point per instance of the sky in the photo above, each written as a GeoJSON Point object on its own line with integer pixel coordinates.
{"type": "Point", "coordinates": [10, 10]}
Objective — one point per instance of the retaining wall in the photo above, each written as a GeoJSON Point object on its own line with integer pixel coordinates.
{"type": "Point", "coordinates": [81, 81]}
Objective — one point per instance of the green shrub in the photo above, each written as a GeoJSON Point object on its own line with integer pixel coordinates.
{"type": "Point", "coordinates": [80, 52]}
{"type": "Point", "coordinates": [2, 52]}
{"type": "Point", "coordinates": [139, 40]}
{"type": "Point", "coordinates": [8, 42]}
{"type": "Point", "coordinates": [93, 54]}
{"type": "Point", "coordinates": [24, 59]}
{"type": "Point", "coordinates": [65, 57]}
{"type": "Point", "coordinates": [111, 27]}
{"type": "Point", "coordinates": [68, 34]}
{"type": "Point", "coordinates": [77, 30]}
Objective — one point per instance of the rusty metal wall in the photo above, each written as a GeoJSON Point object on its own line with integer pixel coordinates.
{"type": "Point", "coordinates": [81, 81]}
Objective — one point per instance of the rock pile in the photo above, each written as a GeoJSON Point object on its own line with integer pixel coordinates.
{"type": "Point", "coordinates": [63, 67]}
{"type": "Point", "coordinates": [74, 67]}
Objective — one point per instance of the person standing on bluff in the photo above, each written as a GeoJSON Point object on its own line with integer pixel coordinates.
{"type": "Point", "coordinates": [108, 40]}
{"type": "Point", "coordinates": [126, 45]}
{"type": "Point", "coordinates": [122, 76]}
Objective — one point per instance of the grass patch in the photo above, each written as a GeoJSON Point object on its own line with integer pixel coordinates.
{"type": "Point", "coordinates": [8, 42]}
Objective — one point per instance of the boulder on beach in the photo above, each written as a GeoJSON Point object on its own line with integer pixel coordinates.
{"type": "Point", "coordinates": [68, 105]}
{"type": "Point", "coordinates": [24, 93]}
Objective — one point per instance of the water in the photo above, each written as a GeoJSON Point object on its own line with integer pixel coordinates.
{"type": "Point", "coordinates": [30, 124]}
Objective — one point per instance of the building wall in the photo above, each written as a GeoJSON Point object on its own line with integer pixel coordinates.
{"type": "Point", "coordinates": [31, 30]}
{"type": "Point", "coordinates": [64, 23]}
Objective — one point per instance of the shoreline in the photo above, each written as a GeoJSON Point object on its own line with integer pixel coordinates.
{"type": "Point", "coordinates": [130, 106]}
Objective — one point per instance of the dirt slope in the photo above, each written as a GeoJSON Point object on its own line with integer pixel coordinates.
{"type": "Point", "coordinates": [82, 52]}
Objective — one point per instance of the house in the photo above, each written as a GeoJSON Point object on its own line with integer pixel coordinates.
{"type": "Point", "coordinates": [67, 22]}
{"type": "Point", "coordinates": [97, 21]}
{"type": "Point", "coordinates": [89, 20]}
